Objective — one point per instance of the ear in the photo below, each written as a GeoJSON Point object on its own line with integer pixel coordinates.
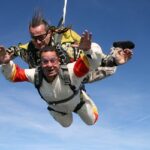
{"type": "Point", "coordinates": [49, 31]}
{"type": "Point", "coordinates": [59, 61]}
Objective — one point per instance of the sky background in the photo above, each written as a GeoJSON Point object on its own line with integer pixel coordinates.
{"type": "Point", "coordinates": [123, 99]}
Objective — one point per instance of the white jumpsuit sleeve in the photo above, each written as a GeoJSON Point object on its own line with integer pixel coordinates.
{"type": "Point", "coordinates": [14, 73]}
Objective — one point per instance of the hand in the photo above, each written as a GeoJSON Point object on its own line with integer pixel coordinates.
{"type": "Point", "coordinates": [85, 42]}
{"type": "Point", "coordinates": [4, 56]}
{"type": "Point", "coordinates": [2, 50]}
{"type": "Point", "coordinates": [123, 55]}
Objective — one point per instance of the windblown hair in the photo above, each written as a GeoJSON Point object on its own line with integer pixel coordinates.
{"type": "Point", "coordinates": [38, 19]}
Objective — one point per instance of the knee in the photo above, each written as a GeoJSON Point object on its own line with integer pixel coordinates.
{"type": "Point", "coordinates": [65, 124]}
{"type": "Point", "coordinates": [92, 121]}
{"type": "Point", "coordinates": [65, 121]}
{"type": "Point", "coordinates": [88, 114]}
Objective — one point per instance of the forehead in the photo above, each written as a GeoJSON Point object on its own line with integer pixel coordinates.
{"type": "Point", "coordinates": [48, 54]}
{"type": "Point", "coordinates": [41, 29]}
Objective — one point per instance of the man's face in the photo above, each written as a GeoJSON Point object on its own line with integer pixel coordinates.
{"type": "Point", "coordinates": [50, 65]}
{"type": "Point", "coordinates": [40, 36]}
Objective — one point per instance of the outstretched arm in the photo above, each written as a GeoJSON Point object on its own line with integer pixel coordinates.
{"type": "Point", "coordinates": [12, 71]}
{"type": "Point", "coordinates": [15, 51]}
{"type": "Point", "coordinates": [122, 52]}
{"type": "Point", "coordinates": [88, 59]}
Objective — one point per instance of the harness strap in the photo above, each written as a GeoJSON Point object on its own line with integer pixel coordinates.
{"type": "Point", "coordinates": [78, 107]}
{"type": "Point", "coordinates": [62, 54]}
{"type": "Point", "coordinates": [64, 100]}
{"type": "Point", "coordinates": [38, 77]}
{"type": "Point", "coordinates": [51, 109]}
{"type": "Point", "coordinates": [38, 82]}
{"type": "Point", "coordinates": [66, 78]}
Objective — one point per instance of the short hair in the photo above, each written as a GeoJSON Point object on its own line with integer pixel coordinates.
{"type": "Point", "coordinates": [38, 19]}
{"type": "Point", "coordinates": [49, 49]}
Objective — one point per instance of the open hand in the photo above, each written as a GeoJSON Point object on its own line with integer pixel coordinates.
{"type": "Point", "coordinates": [123, 55]}
{"type": "Point", "coordinates": [85, 42]}
{"type": "Point", "coordinates": [4, 56]}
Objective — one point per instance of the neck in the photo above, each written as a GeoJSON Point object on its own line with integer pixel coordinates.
{"type": "Point", "coordinates": [50, 79]}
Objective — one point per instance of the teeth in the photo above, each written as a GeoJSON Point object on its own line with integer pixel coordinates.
{"type": "Point", "coordinates": [50, 70]}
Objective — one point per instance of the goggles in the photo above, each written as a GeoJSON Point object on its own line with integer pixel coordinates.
{"type": "Point", "coordinates": [39, 37]}
{"type": "Point", "coordinates": [52, 60]}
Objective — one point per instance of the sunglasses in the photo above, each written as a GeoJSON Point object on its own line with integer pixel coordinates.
{"type": "Point", "coordinates": [52, 60]}
{"type": "Point", "coordinates": [39, 37]}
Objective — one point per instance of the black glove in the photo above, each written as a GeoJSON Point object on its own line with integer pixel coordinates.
{"type": "Point", "coordinates": [124, 44]}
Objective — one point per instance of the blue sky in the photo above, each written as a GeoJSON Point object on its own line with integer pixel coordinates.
{"type": "Point", "coordinates": [122, 99]}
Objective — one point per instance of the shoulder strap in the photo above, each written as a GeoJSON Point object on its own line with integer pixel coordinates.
{"type": "Point", "coordinates": [59, 32]}
{"type": "Point", "coordinates": [38, 77]}
{"type": "Point", "coordinates": [66, 78]}
{"type": "Point", "coordinates": [62, 54]}
{"type": "Point", "coordinates": [57, 37]}
{"type": "Point", "coordinates": [65, 74]}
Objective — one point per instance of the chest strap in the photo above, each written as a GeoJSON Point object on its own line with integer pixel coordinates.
{"type": "Point", "coordinates": [75, 92]}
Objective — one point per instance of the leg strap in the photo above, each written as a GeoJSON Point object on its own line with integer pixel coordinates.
{"type": "Point", "coordinates": [78, 107]}
{"type": "Point", "coordinates": [51, 109]}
